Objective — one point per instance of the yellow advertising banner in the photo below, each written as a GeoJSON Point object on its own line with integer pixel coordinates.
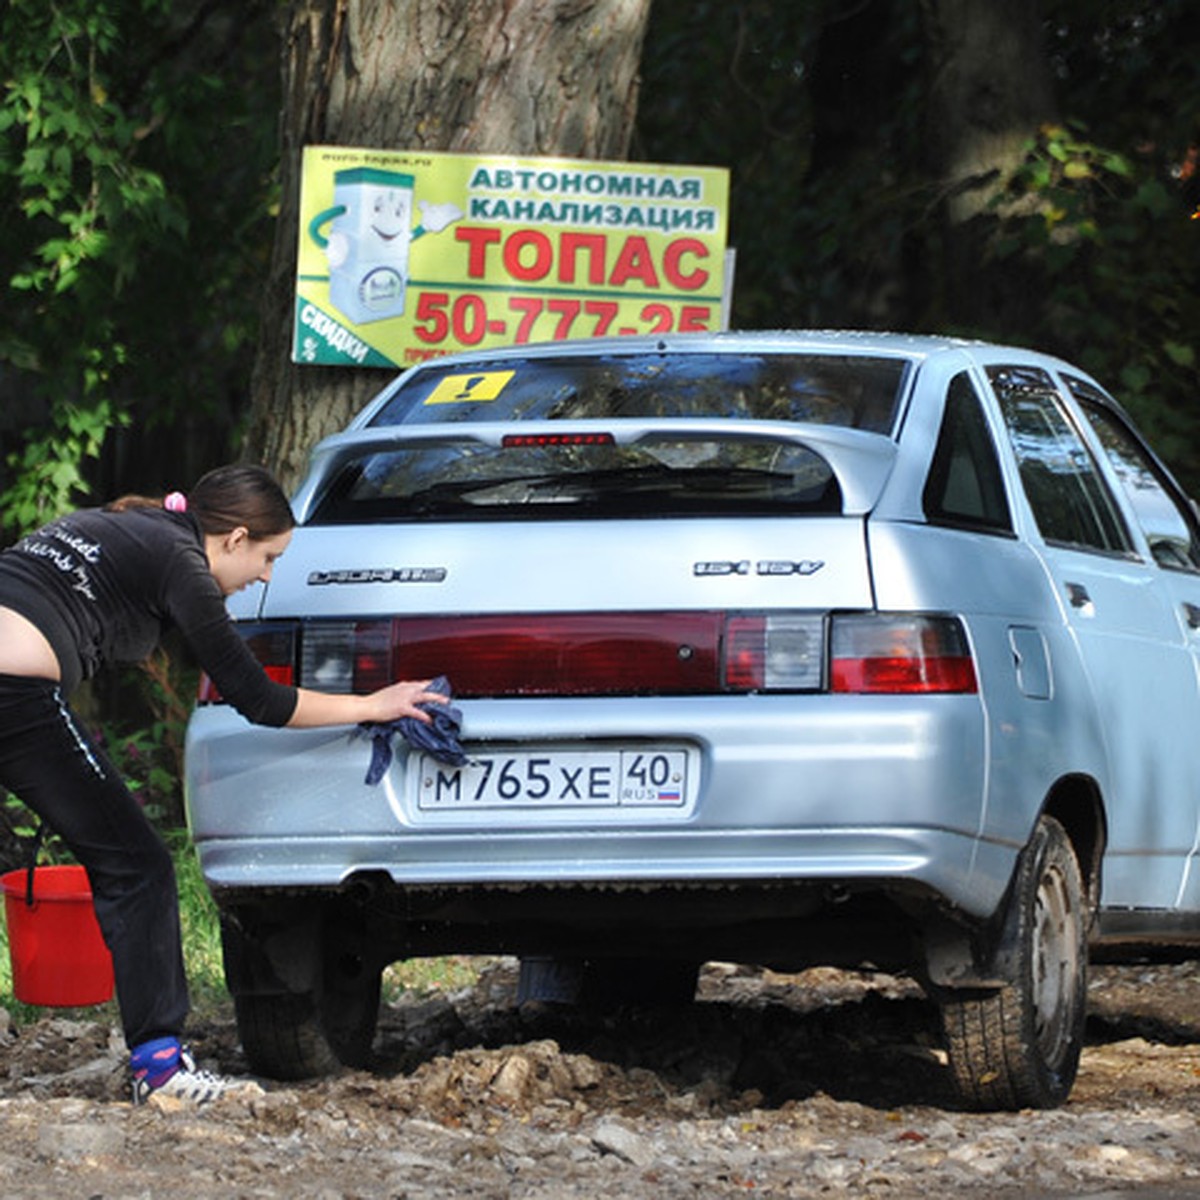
{"type": "Point", "coordinates": [407, 256]}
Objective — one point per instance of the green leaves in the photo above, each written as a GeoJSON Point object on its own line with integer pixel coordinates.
{"type": "Point", "coordinates": [1105, 246]}
{"type": "Point", "coordinates": [48, 472]}
{"type": "Point", "coordinates": [121, 141]}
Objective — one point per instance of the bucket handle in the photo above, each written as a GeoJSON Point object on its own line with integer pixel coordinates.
{"type": "Point", "coordinates": [39, 835]}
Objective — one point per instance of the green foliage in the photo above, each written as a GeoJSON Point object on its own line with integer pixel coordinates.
{"type": "Point", "coordinates": [432, 976]}
{"type": "Point", "coordinates": [48, 468]}
{"type": "Point", "coordinates": [823, 113]}
{"type": "Point", "coordinates": [130, 239]}
{"type": "Point", "coordinates": [147, 747]}
{"type": "Point", "coordinates": [200, 925]}
{"type": "Point", "coordinates": [1104, 243]}
{"type": "Point", "coordinates": [66, 169]}
{"type": "Point", "coordinates": [725, 84]}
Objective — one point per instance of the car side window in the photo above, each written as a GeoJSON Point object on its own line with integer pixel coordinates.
{"type": "Point", "coordinates": [1165, 518]}
{"type": "Point", "coordinates": [965, 485]}
{"type": "Point", "coordinates": [1070, 499]}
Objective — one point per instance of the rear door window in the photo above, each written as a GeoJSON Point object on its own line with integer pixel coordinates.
{"type": "Point", "coordinates": [582, 476]}
{"type": "Point", "coordinates": [1068, 495]}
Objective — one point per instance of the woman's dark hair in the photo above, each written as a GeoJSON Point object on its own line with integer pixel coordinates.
{"type": "Point", "coordinates": [226, 498]}
{"type": "Point", "coordinates": [241, 495]}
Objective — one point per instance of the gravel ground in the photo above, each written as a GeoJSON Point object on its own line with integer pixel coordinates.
{"type": "Point", "coordinates": [825, 1084]}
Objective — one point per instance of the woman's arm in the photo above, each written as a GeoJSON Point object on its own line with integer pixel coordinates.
{"type": "Point", "coordinates": [197, 607]}
{"type": "Point", "coordinates": [387, 704]}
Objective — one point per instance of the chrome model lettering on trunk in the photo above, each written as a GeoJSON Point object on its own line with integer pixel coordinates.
{"type": "Point", "coordinates": [378, 575]}
{"type": "Point", "coordinates": [806, 566]}
{"type": "Point", "coordinates": [721, 568]}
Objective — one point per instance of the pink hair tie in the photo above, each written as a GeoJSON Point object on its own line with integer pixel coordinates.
{"type": "Point", "coordinates": [175, 502]}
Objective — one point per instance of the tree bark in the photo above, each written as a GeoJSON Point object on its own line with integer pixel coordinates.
{"type": "Point", "coordinates": [990, 90]}
{"type": "Point", "coordinates": [521, 77]}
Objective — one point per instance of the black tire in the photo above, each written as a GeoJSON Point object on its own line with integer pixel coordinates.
{"type": "Point", "coordinates": [282, 1037]}
{"type": "Point", "coordinates": [292, 1035]}
{"type": "Point", "coordinates": [1019, 1047]}
{"type": "Point", "coordinates": [349, 1007]}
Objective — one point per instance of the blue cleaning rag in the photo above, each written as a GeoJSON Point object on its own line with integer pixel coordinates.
{"type": "Point", "coordinates": [439, 738]}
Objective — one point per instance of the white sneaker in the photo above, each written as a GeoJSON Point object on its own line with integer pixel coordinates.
{"type": "Point", "coordinates": [191, 1085]}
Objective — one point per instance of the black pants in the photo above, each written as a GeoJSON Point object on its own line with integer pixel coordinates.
{"type": "Point", "coordinates": [48, 760]}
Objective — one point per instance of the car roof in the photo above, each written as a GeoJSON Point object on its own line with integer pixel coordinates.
{"type": "Point", "coordinates": [912, 346]}
{"type": "Point", "coordinates": [857, 341]}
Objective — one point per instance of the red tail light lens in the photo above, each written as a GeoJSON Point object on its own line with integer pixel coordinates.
{"type": "Point", "coordinates": [900, 653]}
{"type": "Point", "coordinates": [563, 654]}
{"type": "Point", "coordinates": [275, 648]}
{"type": "Point", "coordinates": [596, 654]}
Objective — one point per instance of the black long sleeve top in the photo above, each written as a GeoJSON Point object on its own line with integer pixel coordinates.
{"type": "Point", "coordinates": [103, 587]}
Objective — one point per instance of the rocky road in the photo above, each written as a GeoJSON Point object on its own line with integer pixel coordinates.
{"type": "Point", "coordinates": [823, 1084]}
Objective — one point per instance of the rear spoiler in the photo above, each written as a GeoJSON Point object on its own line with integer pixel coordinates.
{"type": "Point", "coordinates": [861, 461]}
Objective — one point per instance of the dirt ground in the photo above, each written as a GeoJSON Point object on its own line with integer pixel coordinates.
{"type": "Point", "coordinates": [820, 1084]}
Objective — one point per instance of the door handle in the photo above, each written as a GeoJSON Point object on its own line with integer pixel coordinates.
{"type": "Point", "coordinates": [1078, 595]}
{"type": "Point", "coordinates": [1191, 614]}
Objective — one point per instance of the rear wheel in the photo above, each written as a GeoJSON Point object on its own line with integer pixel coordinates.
{"type": "Point", "coordinates": [282, 1036]}
{"type": "Point", "coordinates": [300, 1032]}
{"type": "Point", "coordinates": [1019, 1047]}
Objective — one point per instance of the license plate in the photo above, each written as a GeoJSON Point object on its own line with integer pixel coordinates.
{"type": "Point", "coordinates": [646, 778]}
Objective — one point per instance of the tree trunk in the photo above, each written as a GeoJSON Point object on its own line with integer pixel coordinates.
{"type": "Point", "coordinates": [520, 77]}
{"type": "Point", "coordinates": [990, 90]}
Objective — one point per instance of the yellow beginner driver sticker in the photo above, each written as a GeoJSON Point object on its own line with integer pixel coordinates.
{"type": "Point", "coordinates": [464, 389]}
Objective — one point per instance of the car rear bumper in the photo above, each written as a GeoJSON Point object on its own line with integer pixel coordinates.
{"type": "Point", "coordinates": [867, 790]}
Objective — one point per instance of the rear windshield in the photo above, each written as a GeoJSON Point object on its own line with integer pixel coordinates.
{"type": "Point", "coordinates": [829, 389]}
{"type": "Point", "coordinates": [661, 473]}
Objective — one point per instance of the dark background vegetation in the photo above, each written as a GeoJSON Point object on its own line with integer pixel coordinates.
{"type": "Point", "coordinates": [138, 169]}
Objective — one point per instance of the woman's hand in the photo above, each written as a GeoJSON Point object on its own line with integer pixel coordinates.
{"type": "Point", "coordinates": [401, 700]}
{"type": "Point", "coordinates": [314, 709]}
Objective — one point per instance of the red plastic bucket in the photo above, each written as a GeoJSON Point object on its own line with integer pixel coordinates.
{"type": "Point", "coordinates": [59, 958]}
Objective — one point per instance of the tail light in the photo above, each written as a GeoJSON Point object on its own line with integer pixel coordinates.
{"type": "Point", "coordinates": [274, 645]}
{"type": "Point", "coordinates": [774, 652]}
{"type": "Point", "coordinates": [555, 654]}
{"type": "Point", "coordinates": [594, 654]}
{"type": "Point", "coordinates": [900, 653]}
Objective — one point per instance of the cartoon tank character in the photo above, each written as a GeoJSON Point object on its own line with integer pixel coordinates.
{"type": "Point", "coordinates": [368, 242]}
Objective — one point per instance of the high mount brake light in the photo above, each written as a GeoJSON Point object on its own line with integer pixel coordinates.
{"type": "Point", "coordinates": [511, 441]}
